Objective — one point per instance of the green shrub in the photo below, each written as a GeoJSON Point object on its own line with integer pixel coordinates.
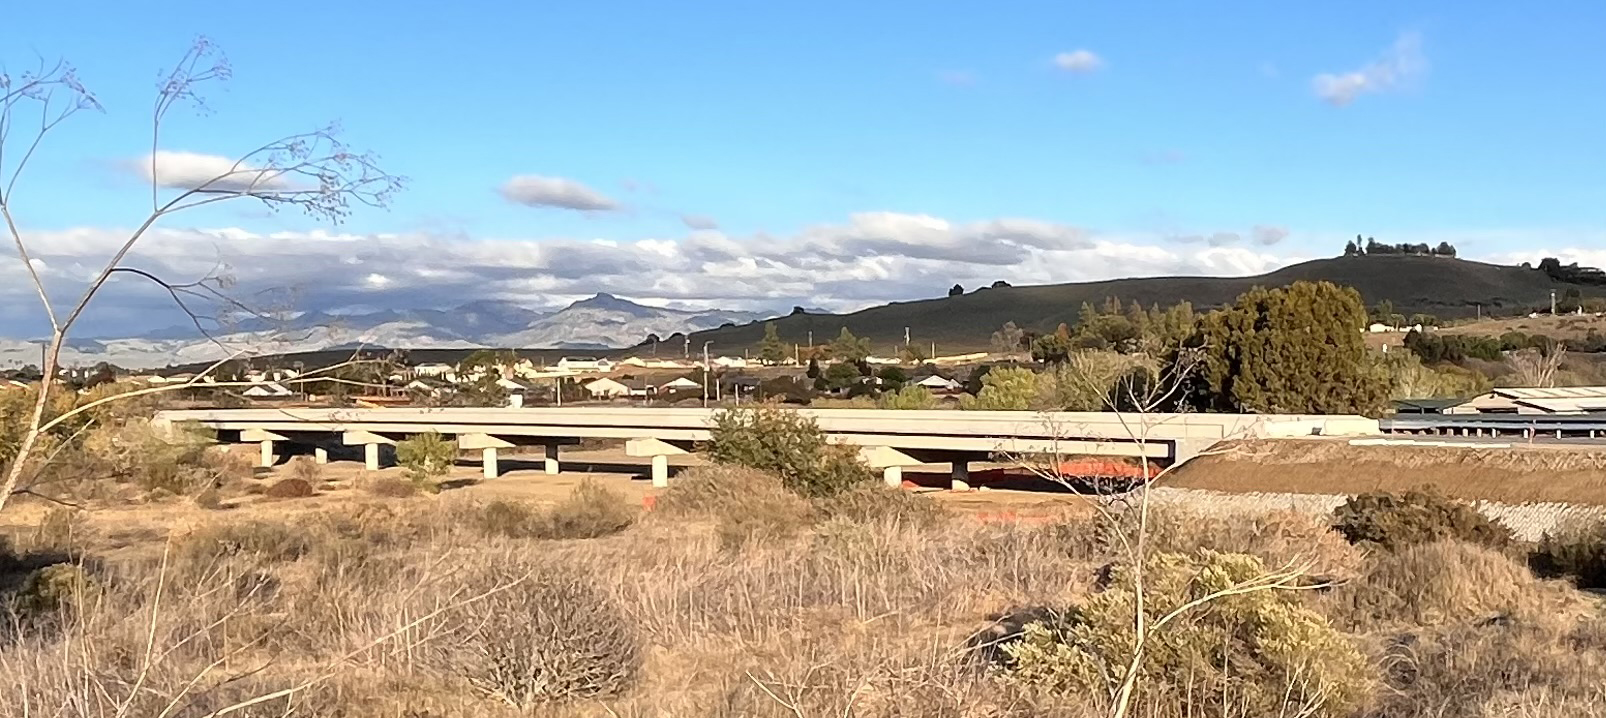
{"type": "Point", "coordinates": [1575, 552]}
{"type": "Point", "coordinates": [551, 637]}
{"type": "Point", "coordinates": [788, 444]}
{"type": "Point", "coordinates": [1392, 521]}
{"type": "Point", "coordinates": [912, 396]}
{"type": "Point", "coordinates": [1004, 389]}
{"type": "Point", "coordinates": [426, 456]}
{"type": "Point", "coordinates": [272, 540]}
{"type": "Point", "coordinates": [1256, 653]}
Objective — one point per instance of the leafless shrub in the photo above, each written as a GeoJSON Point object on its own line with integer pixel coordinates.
{"type": "Point", "coordinates": [744, 504]}
{"type": "Point", "coordinates": [391, 487]}
{"type": "Point", "coordinates": [552, 637]}
{"type": "Point", "coordinates": [1438, 583]}
{"type": "Point", "coordinates": [307, 470]}
{"type": "Point", "coordinates": [289, 489]}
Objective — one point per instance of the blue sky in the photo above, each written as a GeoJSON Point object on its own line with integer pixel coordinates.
{"type": "Point", "coordinates": [832, 137]}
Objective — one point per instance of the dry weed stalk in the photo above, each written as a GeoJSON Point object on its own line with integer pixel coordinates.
{"type": "Point", "coordinates": [314, 172]}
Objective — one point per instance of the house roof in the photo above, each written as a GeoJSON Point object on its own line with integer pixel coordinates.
{"type": "Point", "coordinates": [1559, 392]}
{"type": "Point", "coordinates": [1427, 404]}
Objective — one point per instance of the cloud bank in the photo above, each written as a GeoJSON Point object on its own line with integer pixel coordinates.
{"type": "Point", "coordinates": [870, 258]}
{"type": "Point", "coordinates": [1400, 65]}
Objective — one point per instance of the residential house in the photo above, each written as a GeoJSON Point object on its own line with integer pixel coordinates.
{"type": "Point", "coordinates": [679, 384]}
{"type": "Point", "coordinates": [1530, 400]}
{"type": "Point", "coordinates": [634, 362]}
{"type": "Point", "coordinates": [606, 388]}
{"type": "Point", "coordinates": [938, 384]}
{"type": "Point", "coordinates": [640, 387]}
{"type": "Point", "coordinates": [267, 390]}
{"type": "Point", "coordinates": [434, 369]}
{"type": "Point", "coordinates": [428, 386]}
{"type": "Point", "coordinates": [585, 364]}
{"type": "Point", "coordinates": [515, 386]}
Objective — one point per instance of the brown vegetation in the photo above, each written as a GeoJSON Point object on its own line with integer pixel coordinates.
{"type": "Point", "coordinates": [1513, 476]}
{"type": "Point", "coordinates": [860, 604]}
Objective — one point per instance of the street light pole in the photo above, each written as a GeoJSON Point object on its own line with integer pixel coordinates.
{"type": "Point", "coordinates": [705, 373]}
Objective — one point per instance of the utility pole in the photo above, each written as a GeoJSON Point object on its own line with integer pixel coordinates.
{"type": "Point", "coordinates": [906, 337]}
{"type": "Point", "coordinates": [1553, 302]}
{"type": "Point", "coordinates": [811, 343]}
{"type": "Point", "coordinates": [686, 353]}
{"type": "Point", "coordinates": [705, 372]}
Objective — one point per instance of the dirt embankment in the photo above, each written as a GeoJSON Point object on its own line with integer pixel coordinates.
{"type": "Point", "coordinates": [1515, 475]}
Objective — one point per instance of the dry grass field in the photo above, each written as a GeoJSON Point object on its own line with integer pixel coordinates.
{"type": "Point", "coordinates": [536, 595]}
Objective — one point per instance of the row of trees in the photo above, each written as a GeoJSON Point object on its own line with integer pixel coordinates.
{"type": "Point", "coordinates": [1295, 349]}
{"type": "Point", "coordinates": [1372, 247]}
{"type": "Point", "coordinates": [1571, 273]}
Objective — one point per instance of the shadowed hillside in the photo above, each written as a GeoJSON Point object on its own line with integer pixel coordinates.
{"type": "Point", "coordinates": [1448, 288]}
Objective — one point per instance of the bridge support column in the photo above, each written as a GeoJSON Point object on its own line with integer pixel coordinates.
{"type": "Point", "coordinates": [660, 471]}
{"type": "Point", "coordinates": [320, 455]}
{"type": "Point", "coordinates": [488, 462]}
{"type": "Point", "coordinates": [265, 439]}
{"type": "Point", "coordinates": [1558, 433]}
{"type": "Point", "coordinates": [892, 476]}
{"type": "Point", "coordinates": [659, 450]}
{"type": "Point", "coordinates": [370, 446]}
{"type": "Point", "coordinates": [552, 459]}
{"type": "Point", "coordinates": [1592, 433]}
{"type": "Point", "coordinates": [960, 477]}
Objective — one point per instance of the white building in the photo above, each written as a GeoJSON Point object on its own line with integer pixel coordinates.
{"type": "Point", "coordinates": [939, 384]}
{"type": "Point", "coordinates": [678, 384]}
{"type": "Point", "coordinates": [606, 388]}
{"type": "Point", "coordinates": [267, 390]}
{"type": "Point", "coordinates": [581, 364]}
{"type": "Point", "coordinates": [436, 369]}
{"type": "Point", "coordinates": [1530, 400]}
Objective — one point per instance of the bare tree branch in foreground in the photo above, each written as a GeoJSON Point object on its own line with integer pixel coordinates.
{"type": "Point", "coordinates": [1136, 401]}
{"type": "Point", "coordinates": [314, 172]}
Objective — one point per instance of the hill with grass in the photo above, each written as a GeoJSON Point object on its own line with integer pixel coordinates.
{"type": "Point", "coordinates": [1445, 287]}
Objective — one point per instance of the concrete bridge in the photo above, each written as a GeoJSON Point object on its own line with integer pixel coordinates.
{"type": "Point", "coordinates": [887, 439]}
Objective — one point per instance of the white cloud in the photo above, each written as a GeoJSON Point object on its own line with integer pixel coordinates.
{"type": "Point", "coordinates": [1266, 235]}
{"type": "Point", "coordinates": [1078, 61]}
{"type": "Point", "coordinates": [697, 221]}
{"type": "Point", "coordinates": [557, 192]}
{"type": "Point", "coordinates": [870, 258]}
{"type": "Point", "coordinates": [190, 170]}
{"type": "Point", "coordinates": [1399, 66]}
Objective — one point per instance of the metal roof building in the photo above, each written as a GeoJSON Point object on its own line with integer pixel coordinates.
{"type": "Point", "coordinates": [1531, 400]}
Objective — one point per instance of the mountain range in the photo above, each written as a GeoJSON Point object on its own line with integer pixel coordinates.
{"type": "Point", "coordinates": [601, 322]}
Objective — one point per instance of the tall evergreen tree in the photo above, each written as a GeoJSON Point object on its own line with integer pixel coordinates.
{"type": "Point", "coordinates": [771, 350]}
{"type": "Point", "coordinates": [1298, 349]}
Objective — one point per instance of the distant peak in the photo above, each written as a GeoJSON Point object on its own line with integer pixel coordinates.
{"type": "Point", "coordinates": [605, 300]}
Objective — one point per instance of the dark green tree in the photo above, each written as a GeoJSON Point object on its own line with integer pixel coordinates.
{"type": "Point", "coordinates": [850, 348]}
{"type": "Point", "coordinates": [1299, 349]}
{"type": "Point", "coordinates": [841, 375]}
{"type": "Point", "coordinates": [771, 350]}
{"type": "Point", "coordinates": [1051, 348]}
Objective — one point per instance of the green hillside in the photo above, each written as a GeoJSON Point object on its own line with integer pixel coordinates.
{"type": "Point", "coordinates": [1448, 288]}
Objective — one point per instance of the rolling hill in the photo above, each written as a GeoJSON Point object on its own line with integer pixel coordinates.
{"type": "Point", "coordinates": [1445, 287]}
